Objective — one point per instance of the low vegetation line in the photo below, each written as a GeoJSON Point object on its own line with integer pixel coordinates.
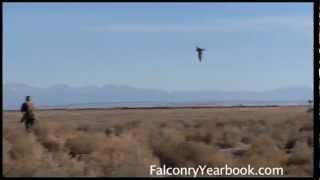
{"type": "Point", "coordinates": [160, 107]}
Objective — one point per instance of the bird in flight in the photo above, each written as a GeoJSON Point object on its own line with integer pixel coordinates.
{"type": "Point", "coordinates": [199, 51]}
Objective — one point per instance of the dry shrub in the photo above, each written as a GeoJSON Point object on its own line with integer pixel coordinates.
{"type": "Point", "coordinates": [6, 133]}
{"type": "Point", "coordinates": [302, 154]}
{"type": "Point", "coordinates": [281, 137]}
{"type": "Point", "coordinates": [53, 164]}
{"type": "Point", "coordinates": [300, 161]}
{"type": "Point", "coordinates": [163, 125]}
{"type": "Point", "coordinates": [118, 129]}
{"type": "Point", "coordinates": [51, 135]}
{"type": "Point", "coordinates": [230, 137]}
{"type": "Point", "coordinates": [186, 124]}
{"type": "Point", "coordinates": [164, 140]}
{"type": "Point", "coordinates": [257, 129]}
{"type": "Point", "coordinates": [216, 136]}
{"type": "Point", "coordinates": [132, 124]}
{"type": "Point", "coordinates": [144, 135]}
{"type": "Point", "coordinates": [306, 137]}
{"type": "Point", "coordinates": [85, 143]}
{"type": "Point", "coordinates": [285, 136]}
{"type": "Point", "coordinates": [220, 124]}
{"type": "Point", "coordinates": [114, 156]}
{"type": "Point", "coordinates": [83, 127]}
{"type": "Point", "coordinates": [263, 152]}
{"type": "Point", "coordinates": [23, 155]}
{"type": "Point", "coordinates": [298, 170]}
{"type": "Point", "coordinates": [199, 136]}
{"type": "Point", "coordinates": [121, 156]}
{"type": "Point", "coordinates": [172, 135]}
{"type": "Point", "coordinates": [44, 129]}
{"type": "Point", "coordinates": [7, 161]}
{"type": "Point", "coordinates": [25, 147]}
{"type": "Point", "coordinates": [246, 140]}
{"type": "Point", "coordinates": [247, 122]}
{"type": "Point", "coordinates": [59, 164]}
{"type": "Point", "coordinates": [108, 131]}
{"type": "Point", "coordinates": [306, 126]}
{"type": "Point", "coordinates": [306, 132]}
{"type": "Point", "coordinates": [197, 125]}
{"type": "Point", "coordinates": [22, 170]}
{"type": "Point", "coordinates": [262, 122]}
{"type": "Point", "coordinates": [52, 144]}
{"type": "Point", "coordinates": [190, 154]}
{"type": "Point", "coordinates": [290, 144]}
{"type": "Point", "coordinates": [295, 135]}
{"type": "Point", "coordinates": [173, 150]}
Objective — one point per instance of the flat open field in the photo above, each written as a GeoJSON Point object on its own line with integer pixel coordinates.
{"type": "Point", "coordinates": [125, 142]}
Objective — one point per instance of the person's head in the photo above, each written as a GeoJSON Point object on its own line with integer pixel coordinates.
{"type": "Point", "coordinates": [28, 98]}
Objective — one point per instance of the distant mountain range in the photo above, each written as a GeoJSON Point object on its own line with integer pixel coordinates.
{"type": "Point", "coordinates": [61, 94]}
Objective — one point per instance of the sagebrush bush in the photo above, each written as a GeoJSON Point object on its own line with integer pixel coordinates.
{"type": "Point", "coordinates": [230, 137]}
{"type": "Point", "coordinates": [173, 150]}
{"type": "Point", "coordinates": [263, 152]}
{"type": "Point", "coordinates": [302, 154]}
{"type": "Point", "coordinates": [23, 154]}
{"type": "Point", "coordinates": [199, 136]}
{"type": "Point", "coordinates": [85, 143]}
{"type": "Point", "coordinates": [121, 156]}
{"type": "Point", "coordinates": [83, 127]}
{"type": "Point", "coordinates": [59, 164]}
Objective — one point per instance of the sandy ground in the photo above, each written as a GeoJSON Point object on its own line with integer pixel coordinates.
{"type": "Point", "coordinates": [124, 142]}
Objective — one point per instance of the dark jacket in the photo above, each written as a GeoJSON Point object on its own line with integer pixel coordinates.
{"type": "Point", "coordinates": [28, 108]}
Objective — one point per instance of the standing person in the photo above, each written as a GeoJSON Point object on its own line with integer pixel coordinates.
{"type": "Point", "coordinates": [28, 117]}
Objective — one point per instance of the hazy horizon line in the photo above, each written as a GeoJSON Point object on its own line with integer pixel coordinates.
{"type": "Point", "coordinates": [154, 88]}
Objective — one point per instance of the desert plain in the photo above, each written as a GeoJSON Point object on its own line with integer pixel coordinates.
{"type": "Point", "coordinates": [125, 142]}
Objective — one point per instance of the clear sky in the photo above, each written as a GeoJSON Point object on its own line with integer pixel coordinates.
{"type": "Point", "coordinates": [255, 47]}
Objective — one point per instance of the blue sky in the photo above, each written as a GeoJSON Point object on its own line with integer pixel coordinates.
{"type": "Point", "coordinates": [251, 47]}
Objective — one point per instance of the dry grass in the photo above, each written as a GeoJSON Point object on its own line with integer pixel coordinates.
{"type": "Point", "coordinates": [126, 142]}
